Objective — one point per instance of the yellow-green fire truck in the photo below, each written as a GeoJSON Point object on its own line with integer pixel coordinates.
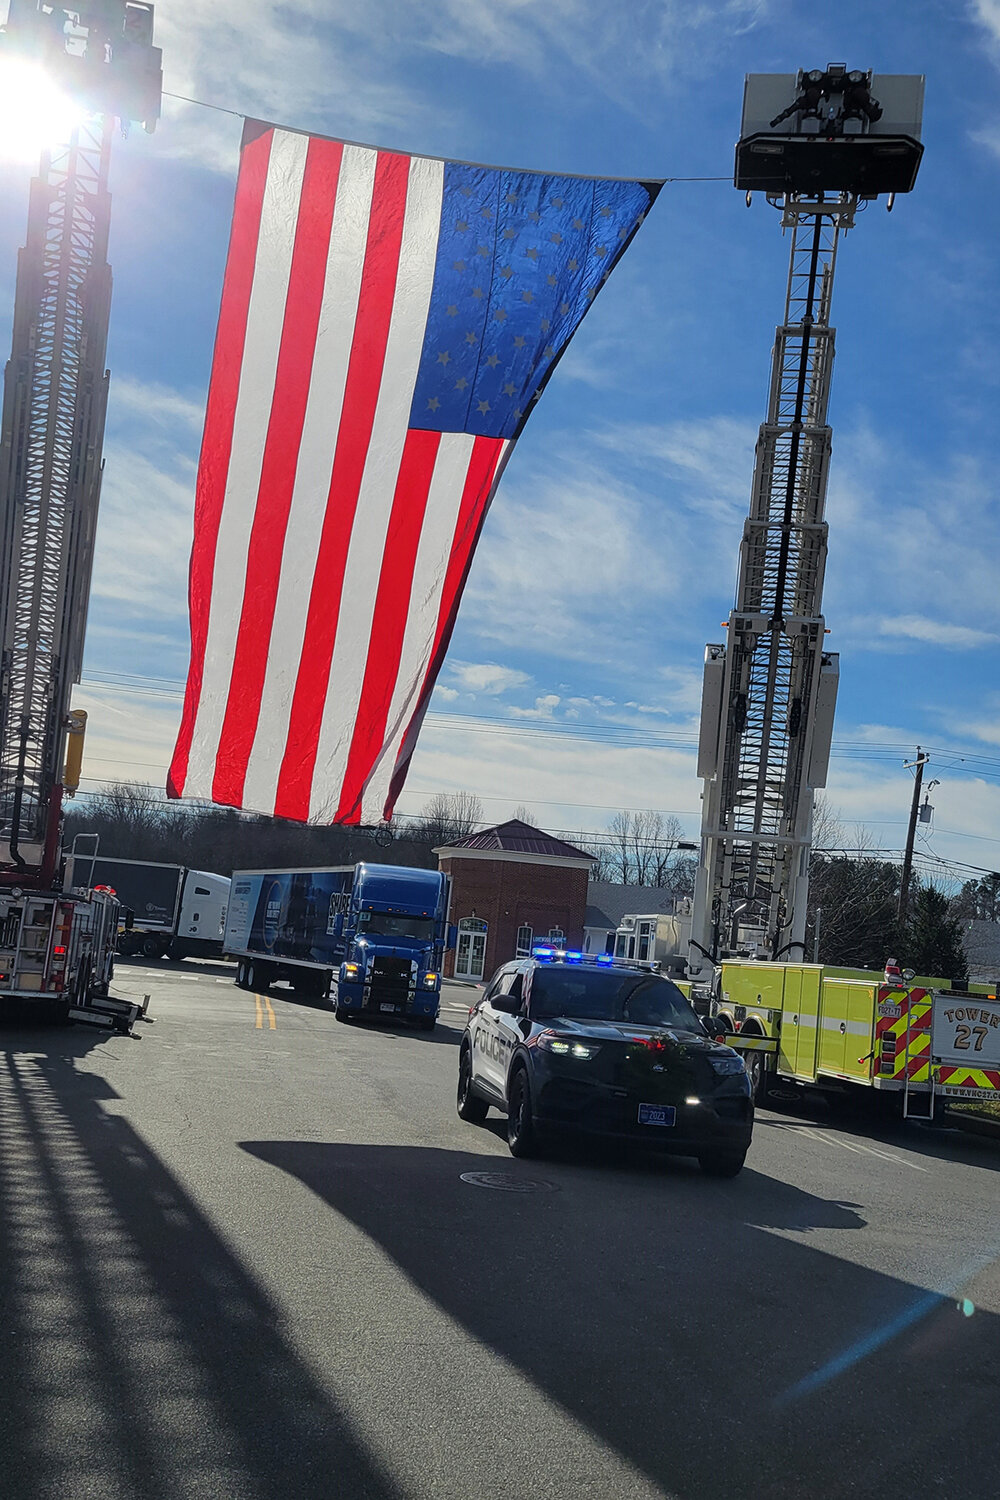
{"type": "Point", "coordinates": [814, 1025]}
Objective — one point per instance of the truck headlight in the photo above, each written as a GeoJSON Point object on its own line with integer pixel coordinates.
{"type": "Point", "coordinates": [430, 980]}
{"type": "Point", "coordinates": [352, 971]}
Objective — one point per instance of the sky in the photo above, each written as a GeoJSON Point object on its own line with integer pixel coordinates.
{"type": "Point", "coordinates": [609, 558]}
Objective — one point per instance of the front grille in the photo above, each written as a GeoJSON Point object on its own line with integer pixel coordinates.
{"type": "Point", "coordinates": [390, 980]}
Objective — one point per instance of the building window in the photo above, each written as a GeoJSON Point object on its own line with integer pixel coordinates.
{"type": "Point", "coordinates": [524, 937]}
{"type": "Point", "coordinates": [557, 936]}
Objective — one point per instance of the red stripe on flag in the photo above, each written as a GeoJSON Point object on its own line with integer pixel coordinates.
{"type": "Point", "coordinates": [472, 513]}
{"type": "Point", "coordinates": [364, 377]}
{"type": "Point", "coordinates": [392, 606]}
{"type": "Point", "coordinates": [217, 439]}
{"type": "Point", "coordinates": [303, 305]}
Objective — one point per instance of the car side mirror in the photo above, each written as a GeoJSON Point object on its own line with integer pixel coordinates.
{"type": "Point", "coordinates": [509, 1004]}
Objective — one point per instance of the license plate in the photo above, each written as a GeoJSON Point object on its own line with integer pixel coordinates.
{"type": "Point", "coordinates": [657, 1114]}
{"type": "Point", "coordinates": [384, 1006]}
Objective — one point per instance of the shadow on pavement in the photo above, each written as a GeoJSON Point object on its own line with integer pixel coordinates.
{"type": "Point", "coordinates": [689, 1324]}
{"type": "Point", "coordinates": [138, 1359]}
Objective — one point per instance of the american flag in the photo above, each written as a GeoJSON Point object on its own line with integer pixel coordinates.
{"type": "Point", "coordinates": [387, 324]}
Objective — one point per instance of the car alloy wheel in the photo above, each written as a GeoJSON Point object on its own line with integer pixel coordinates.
{"type": "Point", "coordinates": [522, 1137]}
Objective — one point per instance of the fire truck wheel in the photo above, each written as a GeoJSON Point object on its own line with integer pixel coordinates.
{"type": "Point", "coordinates": [757, 1074]}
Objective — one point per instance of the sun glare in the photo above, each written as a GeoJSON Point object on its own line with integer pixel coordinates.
{"type": "Point", "coordinates": [34, 114]}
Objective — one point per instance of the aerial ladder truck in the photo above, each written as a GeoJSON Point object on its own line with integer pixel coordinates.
{"type": "Point", "coordinates": [820, 146]}
{"type": "Point", "coordinates": [56, 945]}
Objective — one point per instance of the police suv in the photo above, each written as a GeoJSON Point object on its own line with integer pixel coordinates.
{"type": "Point", "coordinates": [563, 1042]}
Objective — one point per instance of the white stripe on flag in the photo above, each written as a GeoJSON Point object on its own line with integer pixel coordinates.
{"type": "Point", "coordinates": [417, 260]}
{"type": "Point", "coordinates": [433, 552]}
{"type": "Point", "coordinates": [344, 268]}
{"type": "Point", "coordinates": [265, 322]}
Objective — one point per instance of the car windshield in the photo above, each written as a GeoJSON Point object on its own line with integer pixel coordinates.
{"type": "Point", "coordinates": [610, 995]}
{"type": "Point", "coordinates": [396, 924]}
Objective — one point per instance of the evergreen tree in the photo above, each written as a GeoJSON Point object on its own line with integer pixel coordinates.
{"type": "Point", "coordinates": [932, 944]}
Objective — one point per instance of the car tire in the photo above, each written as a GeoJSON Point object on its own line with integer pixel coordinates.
{"type": "Point", "coordinates": [470, 1106]}
{"type": "Point", "coordinates": [522, 1132]}
{"type": "Point", "coordinates": [722, 1163]}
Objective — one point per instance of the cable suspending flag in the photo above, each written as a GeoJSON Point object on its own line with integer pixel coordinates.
{"type": "Point", "coordinates": [387, 324]}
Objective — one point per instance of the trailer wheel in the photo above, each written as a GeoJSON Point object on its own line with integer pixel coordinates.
{"type": "Point", "coordinates": [258, 977]}
{"type": "Point", "coordinates": [241, 975]}
{"type": "Point", "coordinates": [151, 947]}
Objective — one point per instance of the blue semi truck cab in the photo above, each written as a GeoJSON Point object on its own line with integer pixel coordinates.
{"type": "Point", "coordinates": [371, 937]}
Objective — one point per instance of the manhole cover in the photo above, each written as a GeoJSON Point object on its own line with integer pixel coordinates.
{"type": "Point", "coordinates": [507, 1182]}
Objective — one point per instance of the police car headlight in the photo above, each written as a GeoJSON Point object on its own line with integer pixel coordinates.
{"type": "Point", "coordinates": [566, 1047]}
{"type": "Point", "coordinates": [730, 1062]}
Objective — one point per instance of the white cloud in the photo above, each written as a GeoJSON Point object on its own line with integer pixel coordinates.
{"type": "Point", "coordinates": [485, 677]}
{"type": "Point", "coordinates": [936, 632]}
{"type": "Point", "coordinates": [144, 535]}
{"type": "Point", "coordinates": [987, 13]}
{"type": "Point", "coordinates": [345, 68]}
{"type": "Point", "coordinates": [543, 709]}
{"type": "Point", "coordinates": [986, 730]}
{"type": "Point", "coordinates": [160, 405]}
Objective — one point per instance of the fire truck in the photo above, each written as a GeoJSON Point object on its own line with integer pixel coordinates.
{"type": "Point", "coordinates": [820, 145]}
{"type": "Point", "coordinates": [840, 1030]}
{"type": "Point", "coordinates": [57, 945]}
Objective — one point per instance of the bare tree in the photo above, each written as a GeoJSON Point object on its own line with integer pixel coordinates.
{"type": "Point", "coordinates": [522, 815]}
{"type": "Point", "coordinates": [642, 848]}
{"type": "Point", "coordinates": [448, 816]}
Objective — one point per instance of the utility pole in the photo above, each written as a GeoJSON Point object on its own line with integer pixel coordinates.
{"type": "Point", "coordinates": [904, 882]}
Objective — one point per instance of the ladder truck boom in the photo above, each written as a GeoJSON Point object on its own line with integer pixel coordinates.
{"type": "Point", "coordinates": [55, 945]}
{"type": "Point", "coordinates": [819, 145]}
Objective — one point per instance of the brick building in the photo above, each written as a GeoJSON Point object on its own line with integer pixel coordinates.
{"type": "Point", "coordinates": [512, 886]}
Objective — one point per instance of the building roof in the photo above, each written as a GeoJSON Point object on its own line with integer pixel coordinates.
{"type": "Point", "coordinates": [515, 837]}
{"type": "Point", "coordinates": [982, 949]}
{"type": "Point", "coordinates": [607, 903]}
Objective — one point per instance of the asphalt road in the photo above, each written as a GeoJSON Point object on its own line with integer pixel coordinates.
{"type": "Point", "coordinates": [239, 1261]}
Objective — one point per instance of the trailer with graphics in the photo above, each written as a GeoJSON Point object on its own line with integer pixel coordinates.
{"type": "Point", "coordinates": [370, 937]}
{"type": "Point", "coordinates": [810, 1026]}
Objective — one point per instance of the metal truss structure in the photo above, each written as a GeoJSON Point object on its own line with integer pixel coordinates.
{"type": "Point", "coordinates": [770, 693]}
{"type": "Point", "coordinates": [55, 396]}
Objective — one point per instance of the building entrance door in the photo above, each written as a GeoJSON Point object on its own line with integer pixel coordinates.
{"type": "Point", "coordinates": [470, 954]}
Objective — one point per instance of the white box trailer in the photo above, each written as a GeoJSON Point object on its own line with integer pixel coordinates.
{"type": "Point", "coordinates": [176, 912]}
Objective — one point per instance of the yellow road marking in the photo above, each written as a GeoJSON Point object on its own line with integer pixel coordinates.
{"type": "Point", "coordinates": [272, 1019]}
{"type": "Point", "coordinates": [260, 1013]}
